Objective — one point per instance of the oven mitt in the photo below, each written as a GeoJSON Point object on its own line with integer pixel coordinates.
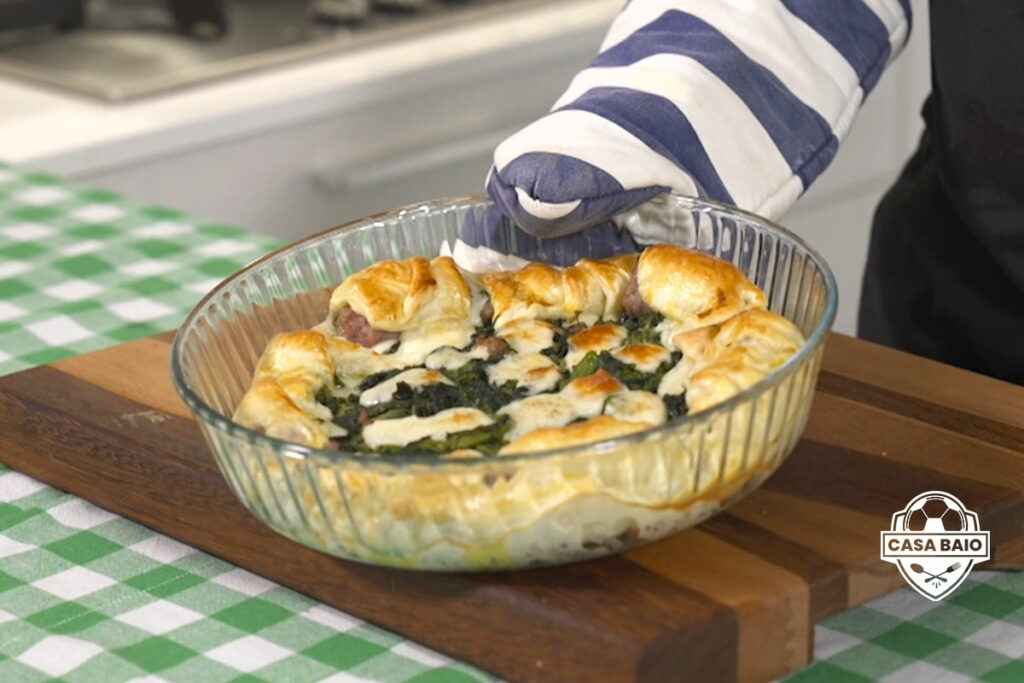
{"type": "Point", "coordinates": [740, 101]}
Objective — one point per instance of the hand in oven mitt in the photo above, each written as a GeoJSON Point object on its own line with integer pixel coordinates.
{"type": "Point", "coordinates": [740, 101]}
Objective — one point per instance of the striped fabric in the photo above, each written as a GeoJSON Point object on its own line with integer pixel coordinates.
{"type": "Point", "coordinates": [742, 101]}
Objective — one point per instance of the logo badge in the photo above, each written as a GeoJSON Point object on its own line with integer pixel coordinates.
{"type": "Point", "coordinates": [935, 541]}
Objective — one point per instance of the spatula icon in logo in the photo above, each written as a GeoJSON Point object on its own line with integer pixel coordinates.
{"type": "Point", "coordinates": [918, 569]}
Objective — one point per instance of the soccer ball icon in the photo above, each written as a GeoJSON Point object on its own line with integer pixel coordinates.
{"type": "Point", "coordinates": [935, 514]}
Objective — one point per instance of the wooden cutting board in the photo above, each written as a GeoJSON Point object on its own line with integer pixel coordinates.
{"type": "Point", "coordinates": [734, 599]}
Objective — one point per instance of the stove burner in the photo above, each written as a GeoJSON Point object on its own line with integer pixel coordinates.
{"type": "Point", "coordinates": [200, 18]}
{"type": "Point", "coordinates": [27, 14]}
{"type": "Point", "coordinates": [204, 19]}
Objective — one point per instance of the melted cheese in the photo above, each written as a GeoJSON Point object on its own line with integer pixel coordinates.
{"type": "Point", "coordinates": [343, 390]}
{"type": "Point", "coordinates": [588, 394]}
{"type": "Point", "coordinates": [535, 371]}
{"type": "Point", "coordinates": [598, 338]}
{"type": "Point", "coordinates": [644, 357]}
{"type": "Point", "coordinates": [527, 335]}
{"type": "Point", "coordinates": [384, 346]}
{"type": "Point", "coordinates": [581, 398]}
{"type": "Point", "coordinates": [419, 342]}
{"type": "Point", "coordinates": [539, 421]}
{"type": "Point", "coordinates": [535, 412]}
{"type": "Point", "coordinates": [452, 359]}
{"type": "Point", "coordinates": [636, 406]}
{"type": "Point", "coordinates": [463, 454]}
{"type": "Point", "coordinates": [478, 296]}
{"type": "Point", "coordinates": [385, 391]}
{"type": "Point", "coordinates": [668, 329]}
{"type": "Point", "coordinates": [334, 431]}
{"type": "Point", "coordinates": [675, 381]}
{"type": "Point", "coordinates": [480, 259]}
{"type": "Point", "coordinates": [352, 362]}
{"type": "Point", "coordinates": [406, 430]}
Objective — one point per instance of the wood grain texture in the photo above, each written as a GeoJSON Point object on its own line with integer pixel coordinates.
{"type": "Point", "coordinates": [735, 599]}
{"type": "Point", "coordinates": [921, 378]}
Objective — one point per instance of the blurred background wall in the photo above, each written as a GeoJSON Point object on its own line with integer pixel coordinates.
{"type": "Point", "coordinates": [410, 110]}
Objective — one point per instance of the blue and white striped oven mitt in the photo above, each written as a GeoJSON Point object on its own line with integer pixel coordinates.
{"type": "Point", "coordinates": [741, 101]}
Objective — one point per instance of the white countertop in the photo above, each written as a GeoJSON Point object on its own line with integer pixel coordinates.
{"type": "Point", "coordinates": [69, 134]}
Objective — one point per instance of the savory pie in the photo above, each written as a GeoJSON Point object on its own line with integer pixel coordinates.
{"type": "Point", "coordinates": [420, 356]}
{"type": "Point", "coordinates": [473, 369]}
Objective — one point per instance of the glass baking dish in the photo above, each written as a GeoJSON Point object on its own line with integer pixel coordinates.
{"type": "Point", "coordinates": [505, 512]}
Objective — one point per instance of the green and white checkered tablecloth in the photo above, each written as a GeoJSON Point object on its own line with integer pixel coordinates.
{"type": "Point", "coordinates": [86, 596]}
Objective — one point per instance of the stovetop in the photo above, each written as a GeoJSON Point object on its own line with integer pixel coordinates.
{"type": "Point", "coordinates": [135, 51]}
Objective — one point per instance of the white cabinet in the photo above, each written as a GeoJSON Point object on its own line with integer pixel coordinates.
{"type": "Point", "coordinates": [421, 136]}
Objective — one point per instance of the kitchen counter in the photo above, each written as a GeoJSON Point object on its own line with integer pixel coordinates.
{"type": "Point", "coordinates": [324, 140]}
{"type": "Point", "coordinates": [299, 147]}
{"type": "Point", "coordinates": [89, 596]}
{"type": "Point", "coordinates": [68, 134]}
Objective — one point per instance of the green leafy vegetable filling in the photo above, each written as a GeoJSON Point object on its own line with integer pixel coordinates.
{"type": "Point", "coordinates": [487, 439]}
{"type": "Point", "coordinates": [675, 405]}
{"type": "Point", "coordinates": [376, 378]}
{"type": "Point", "coordinates": [344, 408]}
{"type": "Point", "coordinates": [642, 329]}
{"type": "Point", "coordinates": [558, 348]}
{"type": "Point", "coordinates": [478, 392]}
{"type": "Point", "coordinates": [626, 373]}
{"type": "Point", "coordinates": [472, 388]}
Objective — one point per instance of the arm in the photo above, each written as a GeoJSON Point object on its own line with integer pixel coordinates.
{"type": "Point", "coordinates": [742, 101]}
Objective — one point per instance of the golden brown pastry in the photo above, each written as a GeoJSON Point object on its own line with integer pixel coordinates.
{"type": "Point", "coordinates": [526, 335]}
{"type": "Point", "coordinates": [693, 289]}
{"type": "Point", "coordinates": [406, 363]}
{"type": "Point", "coordinates": [595, 429]}
{"type": "Point", "coordinates": [395, 296]}
{"type": "Point", "coordinates": [598, 338]}
{"type": "Point", "coordinates": [589, 393]}
{"type": "Point", "coordinates": [591, 290]}
{"type": "Point", "coordinates": [281, 401]}
{"type": "Point", "coordinates": [645, 357]}
{"type": "Point", "coordinates": [722, 360]}
{"type": "Point", "coordinates": [422, 318]}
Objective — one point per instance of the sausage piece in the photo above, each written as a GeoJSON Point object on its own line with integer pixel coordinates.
{"type": "Point", "coordinates": [358, 329]}
{"type": "Point", "coordinates": [632, 303]}
{"type": "Point", "coordinates": [496, 347]}
{"type": "Point", "coordinates": [487, 312]}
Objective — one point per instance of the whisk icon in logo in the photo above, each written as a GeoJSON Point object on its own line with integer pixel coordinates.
{"type": "Point", "coordinates": [935, 541]}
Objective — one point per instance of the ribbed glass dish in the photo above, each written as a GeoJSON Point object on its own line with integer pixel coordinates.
{"type": "Point", "coordinates": [503, 512]}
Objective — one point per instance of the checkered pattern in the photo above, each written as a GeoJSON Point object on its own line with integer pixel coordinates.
{"type": "Point", "coordinates": [81, 270]}
{"type": "Point", "coordinates": [89, 597]}
{"type": "Point", "coordinates": [86, 596]}
{"type": "Point", "coordinates": [975, 635]}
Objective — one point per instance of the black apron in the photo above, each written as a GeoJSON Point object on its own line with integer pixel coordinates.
{"type": "Point", "coordinates": [945, 270]}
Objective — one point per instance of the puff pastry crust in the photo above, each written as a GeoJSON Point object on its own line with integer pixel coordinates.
{"type": "Point", "coordinates": [395, 296]}
{"type": "Point", "coordinates": [595, 429]}
{"type": "Point", "coordinates": [708, 311]}
{"type": "Point", "coordinates": [631, 339]}
{"type": "Point", "coordinates": [282, 399]}
{"type": "Point", "coordinates": [694, 289]}
{"type": "Point", "coordinates": [591, 290]}
{"type": "Point", "coordinates": [723, 360]}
